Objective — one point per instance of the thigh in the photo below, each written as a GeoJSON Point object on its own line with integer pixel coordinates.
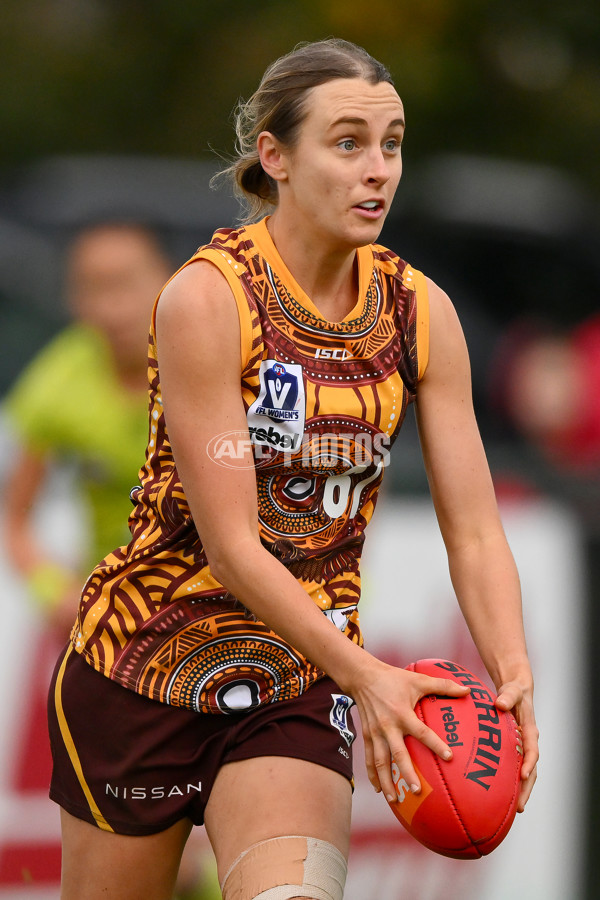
{"type": "Point", "coordinates": [256, 799]}
{"type": "Point", "coordinates": [98, 864]}
{"type": "Point", "coordinates": [124, 762]}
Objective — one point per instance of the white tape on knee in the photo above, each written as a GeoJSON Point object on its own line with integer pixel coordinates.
{"type": "Point", "coordinates": [285, 867]}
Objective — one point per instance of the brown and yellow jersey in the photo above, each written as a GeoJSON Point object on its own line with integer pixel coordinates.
{"type": "Point", "coordinates": [324, 403]}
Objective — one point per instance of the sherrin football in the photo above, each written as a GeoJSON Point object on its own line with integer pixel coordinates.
{"type": "Point", "coordinates": [467, 805]}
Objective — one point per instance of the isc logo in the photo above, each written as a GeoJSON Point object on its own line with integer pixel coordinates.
{"type": "Point", "coordinates": [332, 353]}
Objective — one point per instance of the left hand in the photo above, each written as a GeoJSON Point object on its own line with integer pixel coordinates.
{"type": "Point", "coordinates": [518, 699]}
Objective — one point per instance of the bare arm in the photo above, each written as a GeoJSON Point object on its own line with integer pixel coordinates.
{"type": "Point", "coordinates": [481, 564]}
{"type": "Point", "coordinates": [54, 587]}
{"type": "Point", "coordinates": [202, 399]}
{"type": "Point", "coordinates": [22, 486]}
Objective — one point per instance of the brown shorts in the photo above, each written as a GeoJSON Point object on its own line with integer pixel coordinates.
{"type": "Point", "coordinates": [135, 766]}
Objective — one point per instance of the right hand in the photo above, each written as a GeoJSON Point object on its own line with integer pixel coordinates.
{"type": "Point", "coordinates": [385, 697]}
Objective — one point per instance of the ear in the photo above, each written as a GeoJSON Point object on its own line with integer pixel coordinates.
{"type": "Point", "coordinates": [272, 156]}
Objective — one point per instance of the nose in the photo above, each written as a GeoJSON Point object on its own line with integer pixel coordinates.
{"type": "Point", "coordinates": [378, 170]}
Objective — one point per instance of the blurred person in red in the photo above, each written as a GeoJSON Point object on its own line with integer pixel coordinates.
{"type": "Point", "coordinates": [544, 395]}
{"type": "Point", "coordinates": [577, 444]}
{"type": "Point", "coordinates": [546, 383]}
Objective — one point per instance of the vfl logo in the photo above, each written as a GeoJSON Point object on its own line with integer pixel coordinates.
{"type": "Point", "coordinates": [338, 716]}
{"type": "Point", "coordinates": [281, 394]}
{"type": "Point", "coordinates": [280, 406]}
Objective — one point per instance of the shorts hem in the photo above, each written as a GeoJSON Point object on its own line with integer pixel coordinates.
{"type": "Point", "coordinates": [124, 828]}
{"type": "Point", "coordinates": [306, 755]}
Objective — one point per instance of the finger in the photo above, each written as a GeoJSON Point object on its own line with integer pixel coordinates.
{"type": "Point", "coordinates": [427, 736]}
{"type": "Point", "coordinates": [383, 765]}
{"type": "Point", "coordinates": [370, 761]}
{"type": "Point", "coordinates": [508, 697]}
{"type": "Point", "coordinates": [530, 736]}
{"type": "Point", "coordinates": [402, 759]}
{"type": "Point", "coordinates": [530, 760]}
{"type": "Point", "coordinates": [526, 789]}
{"type": "Point", "coordinates": [443, 686]}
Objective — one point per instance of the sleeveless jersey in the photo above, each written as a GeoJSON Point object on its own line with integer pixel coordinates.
{"type": "Point", "coordinates": [324, 403]}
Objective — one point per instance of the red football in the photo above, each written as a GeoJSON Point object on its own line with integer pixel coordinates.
{"type": "Point", "coordinates": [466, 806]}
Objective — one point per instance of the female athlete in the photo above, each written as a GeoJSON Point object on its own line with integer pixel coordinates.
{"type": "Point", "coordinates": [215, 659]}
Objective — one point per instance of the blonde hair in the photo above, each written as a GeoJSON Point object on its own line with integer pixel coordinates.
{"type": "Point", "coordinates": [278, 106]}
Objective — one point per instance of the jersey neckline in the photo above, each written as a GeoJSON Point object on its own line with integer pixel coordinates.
{"type": "Point", "coordinates": [262, 240]}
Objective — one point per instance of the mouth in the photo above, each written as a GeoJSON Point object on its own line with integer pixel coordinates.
{"type": "Point", "coordinates": [372, 209]}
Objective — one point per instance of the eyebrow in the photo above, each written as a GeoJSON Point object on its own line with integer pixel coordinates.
{"type": "Point", "coordinates": [356, 120]}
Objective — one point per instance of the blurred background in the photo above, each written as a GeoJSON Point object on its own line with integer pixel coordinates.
{"type": "Point", "coordinates": [120, 110]}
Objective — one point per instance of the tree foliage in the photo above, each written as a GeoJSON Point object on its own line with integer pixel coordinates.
{"type": "Point", "coordinates": [155, 77]}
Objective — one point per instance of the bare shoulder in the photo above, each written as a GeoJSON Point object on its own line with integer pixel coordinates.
{"type": "Point", "coordinates": [198, 296]}
{"type": "Point", "coordinates": [447, 345]}
{"type": "Point", "coordinates": [441, 308]}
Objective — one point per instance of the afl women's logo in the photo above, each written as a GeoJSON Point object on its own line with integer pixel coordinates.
{"type": "Point", "coordinates": [277, 415]}
{"type": "Point", "coordinates": [338, 716]}
{"type": "Point", "coordinates": [280, 393]}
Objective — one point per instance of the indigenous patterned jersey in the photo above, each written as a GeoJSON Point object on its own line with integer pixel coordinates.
{"type": "Point", "coordinates": [324, 402]}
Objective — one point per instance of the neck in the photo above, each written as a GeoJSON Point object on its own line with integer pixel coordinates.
{"type": "Point", "coordinates": [328, 276]}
